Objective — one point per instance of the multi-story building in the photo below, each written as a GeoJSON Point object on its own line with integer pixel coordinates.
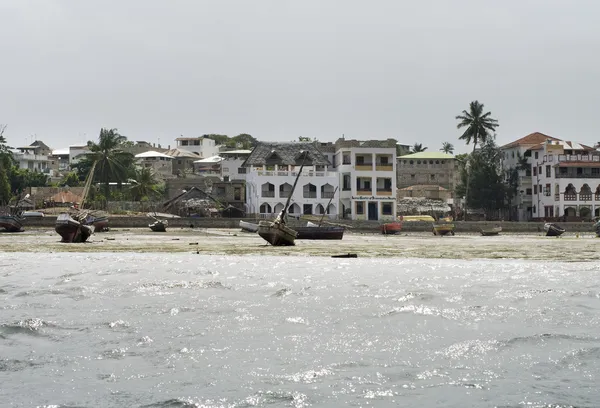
{"type": "Point", "coordinates": [59, 161]}
{"type": "Point", "coordinates": [33, 157]}
{"type": "Point", "coordinates": [367, 174]}
{"type": "Point", "coordinates": [428, 168]}
{"type": "Point", "coordinates": [161, 163]}
{"type": "Point", "coordinates": [519, 156]}
{"type": "Point", "coordinates": [203, 146]}
{"type": "Point", "coordinates": [183, 161]}
{"type": "Point", "coordinates": [271, 171]}
{"type": "Point", "coordinates": [231, 165]}
{"type": "Point", "coordinates": [77, 152]}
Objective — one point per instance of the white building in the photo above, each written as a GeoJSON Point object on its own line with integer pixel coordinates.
{"type": "Point", "coordinates": [271, 171]}
{"type": "Point", "coordinates": [161, 163]}
{"type": "Point", "coordinates": [33, 157]}
{"type": "Point", "coordinates": [231, 165]}
{"type": "Point", "coordinates": [203, 146]}
{"type": "Point", "coordinates": [59, 160]}
{"type": "Point", "coordinates": [77, 152]}
{"type": "Point", "coordinates": [367, 174]}
{"type": "Point", "coordinates": [561, 178]}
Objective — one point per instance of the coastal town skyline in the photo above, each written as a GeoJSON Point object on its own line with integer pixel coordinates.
{"type": "Point", "coordinates": [279, 71]}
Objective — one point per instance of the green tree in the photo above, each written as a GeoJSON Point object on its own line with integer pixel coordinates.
{"type": "Point", "coordinates": [304, 139]}
{"type": "Point", "coordinates": [6, 162]}
{"type": "Point", "coordinates": [20, 179]}
{"type": "Point", "coordinates": [219, 139]}
{"type": "Point", "coordinates": [144, 184]}
{"type": "Point", "coordinates": [478, 128]}
{"type": "Point", "coordinates": [70, 179]}
{"type": "Point", "coordinates": [112, 162]}
{"type": "Point", "coordinates": [418, 147]}
{"type": "Point", "coordinates": [447, 147]}
{"type": "Point", "coordinates": [245, 140]}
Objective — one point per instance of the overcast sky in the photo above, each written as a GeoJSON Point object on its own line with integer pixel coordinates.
{"type": "Point", "coordinates": [280, 69]}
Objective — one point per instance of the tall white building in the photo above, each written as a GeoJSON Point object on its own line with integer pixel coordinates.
{"type": "Point", "coordinates": [231, 165]}
{"type": "Point", "coordinates": [367, 178]}
{"type": "Point", "coordinates": [203, 146]}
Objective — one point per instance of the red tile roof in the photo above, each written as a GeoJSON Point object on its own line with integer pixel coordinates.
{"type": "Point", "coordinates": [531, 139]}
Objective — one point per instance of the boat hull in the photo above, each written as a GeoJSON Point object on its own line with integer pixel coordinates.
{"type": "Point", "coordinates": [553, 230]}
{"type": "Point", "coordinates": [391, 228]}
{"type": "Point", "coordinates": [71, 230]}
{"type": "Point", "coordinates": [443, 229]}
{"type": "Point", "coordinates": [11, 223]}
{"type": "Point", "coordinates": [277, 234]}
{"type": "Point", "coordinates": [158, 226]}
{"type": "Point", "coordinates": [100, 224]}
{"type": "Point", "coordinates": [327, 232]}
{"type": "Point", "coordinates": [491, 231]}
{"type": "Point", "coordinates": [248, 226]}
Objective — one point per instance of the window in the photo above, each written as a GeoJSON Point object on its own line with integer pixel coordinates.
{"type": "Point", "coordinates": [384, 161]}
{"type": "Point", "coordinates": [535, 189]}
{"type": "Point", "coordinates": [433, 176]}
{"type": "Point", "coordinates": [528, 172]}
{"type": "Point", "coordinates": [536, 155]}
{"type": "Point", "coordinates": [346, 182]}
{"type": "Point", "coordinates": [548, 171]}
{"type": "Point", "coordinates": [360, 160]}
{"type": "Point", "coordinates": [386, 208]}
{"type": "Point", "coordinates": [412, 176]}
{"type": "Point", "coordinates": [178, 161]}
{"type": "Point", "coordinates": [196, 142]}
{"type": "Point", "coordinates": [528, 191]}
{"type": "Point", "coordinates": [237, 193]}
{"type": "Point", "coordinates": [535, 171]}
{"type": "Point", "coordinates": [184, 142]}
{"type": "Point", "coordinates": [360, 207]}
{"type": "Point", "coordinates": [547, 190]}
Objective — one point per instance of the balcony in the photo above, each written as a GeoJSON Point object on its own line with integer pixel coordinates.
{"type": "Point", "coordinates": [267, 194]}
{"type": "Point", "coordinates": [384, 167]}
{"type": "Point", "coordinates": [309, 194]}
{"type": "Point", "coordinates": [364, 192]}
{"type": "Point", "coordinates": [328, 194]}
{"type": "Point", "coordinates": [570, 197]}
{"type": "Point", "coordinates": [585, 197]}
{"type": "Point", "coordinates": [364, 167]}
{"type": "Point", "coordinates": [384, 191]}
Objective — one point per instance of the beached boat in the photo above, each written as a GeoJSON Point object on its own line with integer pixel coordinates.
{"type": "Point", "coordinates": [11, 222]}
{"type": "Point", "coordinates": [391, 228]}
{"type": "Point", "coordinates": [596, 227]}
{"type": "Point", "coordinates": [248, 226]}
{"type": "Point", "coordinates": [276, 232]}
{"type": "Point", "coordinates": [100, 222]}
{"type": "Point", "coordinates": [443, 226]}
{"type": "Point", "coordinates": [486, 232]}
{"type": "Point", "coordinates": [315, 231]}
{"type": "Point", "coordinates": [159, 225]}
{"type": "Point", "coordinates": [553, 230]}
{"type": "Point", "coordinates": [71, 229]}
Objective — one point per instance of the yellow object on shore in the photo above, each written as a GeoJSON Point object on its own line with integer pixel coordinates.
{"type": "Point", "coordinates": [409, 218]}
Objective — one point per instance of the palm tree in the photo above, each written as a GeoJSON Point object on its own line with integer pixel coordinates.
{"type": "Point", "coordinates": [447, 147]}
{"type": "Point", "coordinates": [144, 184]}
{"type": "Point", "coordinates": [418, 147]}
{"type": "Point", "coordinates": [112, 162]}
{"type": "Point", "coordinates": [478, 127]}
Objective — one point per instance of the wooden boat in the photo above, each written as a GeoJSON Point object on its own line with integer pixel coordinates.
{"type": "Point", "coordinates": [12, 222]}
{"type": "Point", "coordinates": [72, 230]}
{"type": "Point", "coordinates": [76, 227]}
{"type": "Point", "coordinates": [159, 225]}
{"type": "Point", "coordinates": [314, 231]}
{"type": "Point", "coordinates": [276, 232]}
{"type": "Point", "coordinates": [100, 223]}
{"type": "Point", "coordinates": [345, 256]}
{"type": "Point", "coordinates": [553, 230]}
{"type": "Point", "coordinates": [248, 226]}
{"type": "Point", "coordinates": [443, 226]}
{"type": "Point", "coordinates": [391, 228]}
{"type": "Point", "coordinates": [486, 232]}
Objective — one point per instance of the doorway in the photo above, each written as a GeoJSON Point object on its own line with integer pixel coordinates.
{"type": "Point", "coordinates": [372, 212]}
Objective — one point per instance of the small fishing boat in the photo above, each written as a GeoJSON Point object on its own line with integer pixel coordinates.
{"type": "Point", "coordinates": [486, 232]}
{"type": "Point", "coordinates": [248, 226]}
{"type": "Point", "coordinates": [391, 228]}
{"type": "Point", "coordinates": [100, 222]}
{"type": "Point", "coordinates": [553, 230]}
{"type": "Point", "coordinates": [443, 226]}
{"type": "Point", "coordinates": [159, 225]}
{"type": "Point", "coordinates": [71, 229]}
{"type": "Point", "coordinates": [314, 231]}
{"type": "Point", "coordinates": [11, 222]}
{"type": "Point", "coordinates": [345, 256]}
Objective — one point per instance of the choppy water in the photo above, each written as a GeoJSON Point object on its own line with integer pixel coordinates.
{"type": "Point", "coordinates": [183, 330]}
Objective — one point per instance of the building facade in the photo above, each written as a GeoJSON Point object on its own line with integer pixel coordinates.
{"type": "Point", "coordinates": [160, 163]}
{"type": "Point", "coordinates": [367, 178]}
{"type": "Point", "coordinates": [231, 165]}
{"type": "Point", "coordinates": [34, 157]}
{"type": "Point", "coordinates": [203, 146]}
{"type": "Point", "coordinates": [428, 168]}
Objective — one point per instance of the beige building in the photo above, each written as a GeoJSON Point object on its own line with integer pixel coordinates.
{"type": "Point", "coordinates": [428, 169]}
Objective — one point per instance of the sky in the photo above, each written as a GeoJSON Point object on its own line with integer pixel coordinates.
{"type": "Point", "coordinates": [280, 69]}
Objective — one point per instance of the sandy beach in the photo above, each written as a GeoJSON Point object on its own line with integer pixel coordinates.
{"type": "Point", "coordinates": [570, 247]}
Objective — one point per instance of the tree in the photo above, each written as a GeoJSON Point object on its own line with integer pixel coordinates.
{"type": "Point", "coordinates": [304, 139]}
{"type": "Point", "coordinates": [70, 179]}
{"type": "Point", "coordinates": [112, 162]}
{"type": "Point", "coordinates": [478, 126]}
{"type": "Point", "coordinates": [447, 147]}
{"type": "Point", "coordinates": [245, 140]}
{"type": "Point", "coordinates": [219, 139]}
{"type": "Point", "coordinates": [418, 147]}
{"type": "Point", "coordinates": [144, 184]}
{"type": "Point", "coordinates": [5, 167]}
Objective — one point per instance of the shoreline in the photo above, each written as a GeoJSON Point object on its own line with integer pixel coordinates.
{"type": "Point", "coordinates": [571, 247]}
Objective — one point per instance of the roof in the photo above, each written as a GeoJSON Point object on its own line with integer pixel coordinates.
{"type": "Point", "coordinates": [66, 197]}
{"type": "Point", "coordinates": [151, 153]}
{"type": "Point", "coordinates": [211, 159]}
{"type": "Point", "coordinates": [427, 155]}
{"type": "Point", "coordinates": [181, 153]}
{"type": "Point", "coordinates": [60, 152]}
{"type": "Point", "coordinates": [236, 152]}
{"type": "Point", "coordinates": [348, 143]}
{"type": "Point", "coordinates": [567, 145]}
{"type": "Point", "coordinates": [286, 154]}
{"type": "Point", "coordinates": [529, 140]}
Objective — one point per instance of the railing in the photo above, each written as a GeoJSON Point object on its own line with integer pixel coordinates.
{"type": "Point", "coordinates": [556, 197]}
{"type": "Point", "coordinates": [364, 192]}
{"type": "Point", "coordinates": [570, 197]}
{"type": "Point", "coordinates": [384, 191]}
{"type": "Point", "coordinates": [364, 167]}
{"type": "Point", "coordinates": [568, 175]}
{"type": "Point", "coordinates": [384, 167]}
{"type": "Point", "coordinates": [267, 194]}
{"type": "Point", "coordinates": [585, 197]}
{"type": "Point", "coordinates": [327, 194]}
{"type": "Point", "coordinates": [311, 194]}
{"type": "Point", "coordinates": [346, 161]}
{"type": "Point", "coordinates": [284, 194]}
{"type": "Point", "coordinates": [295, 173]}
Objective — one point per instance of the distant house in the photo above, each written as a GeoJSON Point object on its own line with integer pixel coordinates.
{"type": "Point", "coordinates": [34, 157]}
{"type": "Point", "coordinates": [203, 146]}
{"type": "Point", "coordinates": [183, 161]}
{"type": "Point", "coordinates": [161, 163]}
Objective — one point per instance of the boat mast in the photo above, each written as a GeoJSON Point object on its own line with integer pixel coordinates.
{"type": "Point", "coordinates": [88, 183]}
{"type": "Point", "coordinates": [287, 203]}
{"type": "Point", "coordinates": [325, 212]}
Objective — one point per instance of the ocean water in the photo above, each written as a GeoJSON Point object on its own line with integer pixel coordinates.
{"type": "Point", "coordinates": [186, 330]}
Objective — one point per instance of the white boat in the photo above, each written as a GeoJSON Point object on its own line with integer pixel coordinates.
{"type": "Point", "coordinates": [248, 226]}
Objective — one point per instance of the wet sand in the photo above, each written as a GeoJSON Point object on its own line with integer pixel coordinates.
{"type": "Point", "coordinates": [569, 247]}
